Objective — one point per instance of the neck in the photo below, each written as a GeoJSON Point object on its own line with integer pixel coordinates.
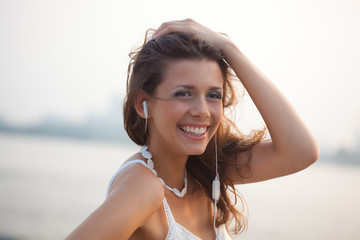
{"type": "Point", "coordinates": [169, 165]}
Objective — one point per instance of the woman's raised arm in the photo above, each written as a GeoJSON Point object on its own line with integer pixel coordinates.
{"type": "Point", "coordinates": [292, 146]}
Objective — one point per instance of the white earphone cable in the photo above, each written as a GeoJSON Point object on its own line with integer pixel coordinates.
{"type": "Point", "coordinates": [217, 187]}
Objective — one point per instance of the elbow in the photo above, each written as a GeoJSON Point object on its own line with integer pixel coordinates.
{"type": "Point", "coordinates": [316, 153]}
{"type": "Point", "coordinates": [309, 155]}
{"type": "Point", "coordinates": [303, 156]}
{"type": "Point", "coordinates": [312, 158]}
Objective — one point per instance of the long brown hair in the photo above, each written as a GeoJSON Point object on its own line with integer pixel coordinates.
{"type": "Point", "coordinates": [146, 69]}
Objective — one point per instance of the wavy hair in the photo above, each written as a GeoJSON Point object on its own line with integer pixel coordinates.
{"type": "Point", "coordinates": [146, 70]}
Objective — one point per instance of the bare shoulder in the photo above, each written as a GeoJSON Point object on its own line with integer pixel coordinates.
{"type": "Point", "coordinates": [135, 195]}
{"type": "Point", "coordinates": [137, 181]}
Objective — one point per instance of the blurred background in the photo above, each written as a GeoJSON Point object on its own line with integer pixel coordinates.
{"type": "Point", "coordinates": [62, 82]}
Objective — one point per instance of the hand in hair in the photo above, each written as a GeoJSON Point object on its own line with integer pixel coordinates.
{"type": "Point", "coordinates": [219, 40]}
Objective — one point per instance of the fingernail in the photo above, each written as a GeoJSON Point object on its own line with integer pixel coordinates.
{"type": "Point", "coordinates": [154, 37]}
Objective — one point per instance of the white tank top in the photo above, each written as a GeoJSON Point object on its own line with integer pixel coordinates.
{"type": "Point", "coordinates": [175, 231]}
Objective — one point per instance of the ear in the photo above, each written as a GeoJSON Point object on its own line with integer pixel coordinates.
{"type": "Point", "coordinates": [140, 97]}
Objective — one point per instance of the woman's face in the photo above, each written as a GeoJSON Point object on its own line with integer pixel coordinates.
{"type": "Point", "coordinates": [187, 106]}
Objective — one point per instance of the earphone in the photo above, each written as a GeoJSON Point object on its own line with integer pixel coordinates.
{"type": "Point", "coordinates": [216, 188]}
{"type": "Point", "coordinates": [216, 184]}
{"type": "Point", "coordinates": [145, 113]}
{"type": "Point", "coordinates": [216, 181]}
{"type": "Point", "coordinates": [145, 109]}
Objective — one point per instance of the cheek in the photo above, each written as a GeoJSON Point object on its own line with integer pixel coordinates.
{"type": "Point", "coordinates": [217, 113]}
{"type": "Point", "coordinates": [171, 113]}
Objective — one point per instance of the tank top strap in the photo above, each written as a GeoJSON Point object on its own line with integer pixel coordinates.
{"type": "Point", "coordinates": [173, 232]}
{"type": "Point", "coordinates": [125, 165]}
{"type": "Point", "coordinates": [169, 217]}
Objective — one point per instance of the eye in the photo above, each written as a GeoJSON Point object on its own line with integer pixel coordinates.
{"type": "Point", "coordinates": [183, 94]}
{"type": "Point", "coordinates": [214, 95]}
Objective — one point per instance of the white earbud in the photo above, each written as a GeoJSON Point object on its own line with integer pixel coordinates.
{"type": "Point", "coordinates": [145, 113]}
{"type": "Point", "coordinates": [145, 109]}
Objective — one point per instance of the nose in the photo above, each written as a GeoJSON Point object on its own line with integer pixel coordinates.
{"type": "Point", "coordinates": [200, 108]}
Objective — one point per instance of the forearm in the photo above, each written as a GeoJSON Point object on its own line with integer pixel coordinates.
{"type": "Point", "coordinates": [289, 134]}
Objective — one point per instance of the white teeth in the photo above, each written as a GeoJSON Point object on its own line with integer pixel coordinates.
{"type": "Point", "coordinates": [194, 131]}
{"type": "Point", "coordinates": [197, 131]}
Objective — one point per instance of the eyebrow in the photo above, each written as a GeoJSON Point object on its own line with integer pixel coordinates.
{"type": "Point", "coordinates": [193, 87]}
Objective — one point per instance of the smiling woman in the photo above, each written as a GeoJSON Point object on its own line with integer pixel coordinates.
{"type": "Point", "coordinates": [186, 107]}
{"type": "Point", "coordinates": [181, 182]}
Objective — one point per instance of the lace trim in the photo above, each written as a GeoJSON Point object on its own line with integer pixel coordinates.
{"type": "Point", "coordinates": [186, 233]}
{"type": "Point", "coordinates": [172, 223]}
{"type": "Point", "coordinates": [170, 220]}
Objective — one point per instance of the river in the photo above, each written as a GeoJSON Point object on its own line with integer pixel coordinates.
{"type": "Point", "coordinates": [48, 186]}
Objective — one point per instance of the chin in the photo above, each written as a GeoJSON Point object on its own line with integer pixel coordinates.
{"type": "Point", "coordinates": [196, 150]}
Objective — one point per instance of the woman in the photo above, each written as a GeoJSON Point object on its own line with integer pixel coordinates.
{"type": "Point", "coordinates": [179, 85]}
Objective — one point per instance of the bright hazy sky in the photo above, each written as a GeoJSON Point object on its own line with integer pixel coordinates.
{"type": "Point", "coordinates": [69, 58]}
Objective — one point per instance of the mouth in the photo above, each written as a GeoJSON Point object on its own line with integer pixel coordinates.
{"type": "Point", "coordinates": [194, 131]}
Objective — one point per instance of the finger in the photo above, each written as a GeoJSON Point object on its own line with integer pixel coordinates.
{"type": "Point", "coordinates": [167, 30]}
{"type": "Point", "coordinates": [173, 26]}
{"type": "Point", "coordinates": [166, 27]}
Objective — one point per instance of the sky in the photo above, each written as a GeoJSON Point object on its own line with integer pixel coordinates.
{"type": "Point", "coordinates": [69, 58]}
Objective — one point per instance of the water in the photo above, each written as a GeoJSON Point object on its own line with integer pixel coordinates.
{"type": "Point", "coordinates": [321, 202]}
{"type": "Point", "coordinates": [49, 186]}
